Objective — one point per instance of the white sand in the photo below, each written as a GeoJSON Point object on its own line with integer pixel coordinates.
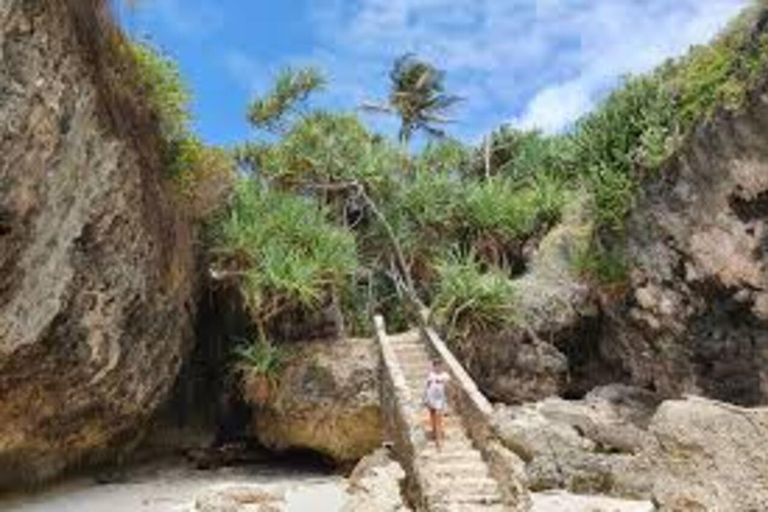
{"type": "Point", "coordinates": [174, 489]}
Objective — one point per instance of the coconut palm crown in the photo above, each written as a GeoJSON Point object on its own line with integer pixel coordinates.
{"type": "Point", "coordinates": [418, 97]}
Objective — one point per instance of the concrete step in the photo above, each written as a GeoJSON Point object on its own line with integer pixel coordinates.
{"type": "Point", "coordinates": [460, 472]}
{"type": "Point", "coordinates": [468, 507]}
{"type": "Point", "coordinates": [452, 457]}
{"type": "Point", "coordinates": [415, 366]}
{"type": "Point", "coordinates": [412, 349]}
{"type": "Point", "coordinates": [484, 486]}
{"type": "Point", "coordinates": [414, 362]}
{"type": "Point", "coordinates": [405, 337]}
{"type": "Point", "coordinates": [416, 377]}
{"type": "Point", "coordinates": [469, 498]}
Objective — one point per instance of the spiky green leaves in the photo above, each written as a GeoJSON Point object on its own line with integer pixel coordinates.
{"type": "Point", "coordinates": [276, 110]}
{"type": "Point", "coordinates": [470, 300]}
{"type": "Point", "coordinates": [284, 249]}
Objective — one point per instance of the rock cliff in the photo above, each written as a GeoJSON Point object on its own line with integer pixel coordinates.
{"type": "Point", "coordinates": [696, 317]}
{"type": "Point", "coordinates": [96, 267]}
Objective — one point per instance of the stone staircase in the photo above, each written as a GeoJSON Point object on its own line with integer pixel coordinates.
{"type": "Point", "coordinates": [457, 477]}
{"type": "Point", "coordinates": [472, 472]}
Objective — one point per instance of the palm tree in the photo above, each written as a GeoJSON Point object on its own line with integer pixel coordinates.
{"type": "Point", "coordinates": [418, 97]}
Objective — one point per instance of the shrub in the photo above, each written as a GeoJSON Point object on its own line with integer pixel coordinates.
{"type": "Point", "coordinates": [469, 300]}
{"type": "Point", "coordinates": [160, 78]}
{"type": "Point", "coordinates": [627, 133]}
{"type": "Point", "coordinates": [497, 208]}
{"type": "Point", "coordinates": [203, 174]}
{"type": "Point", "coordinates": [444, 156]}
{"type": "Point", "coordinates": [719, 74]}
{"type": "Point", "coordinates": [606, 266]}
{"type": "Point", "coordinates": [261, 358]}
{"type": "Point", "coordinates": [522, 155]}
{"type": "Point", "coordinates": [324, 148]}
{"type": "Point", "coordinates": [284, 249]}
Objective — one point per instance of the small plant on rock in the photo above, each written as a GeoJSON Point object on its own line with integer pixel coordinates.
{"type": "Point", "coordinates": [260, 363]}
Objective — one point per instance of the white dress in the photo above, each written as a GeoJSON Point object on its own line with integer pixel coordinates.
{"type": "Point", "coordinates": [435, 396]}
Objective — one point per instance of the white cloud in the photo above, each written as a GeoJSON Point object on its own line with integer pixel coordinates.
{"type": "Point", "coordinates": [556, 106]}
{"type": "Point", "coordinates": [541, 63]}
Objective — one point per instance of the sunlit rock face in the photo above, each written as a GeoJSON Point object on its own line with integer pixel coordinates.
{"type": "Point", "coordinates": [95, 266]}
{"type": "Point", "coordinates": [696, 315]}
{"type": "Point", "coordinates": [326, 400]}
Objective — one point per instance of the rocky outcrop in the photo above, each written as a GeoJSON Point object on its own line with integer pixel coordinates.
{"type": "Point", "coordinates": [376, 485]}
{"type": "Point", "coordinates": [327, 400]}
{"type": "Point", "coordinates": [696, 317]}
{"type": "Point", "coordinates": [585, 446]}
{"type": "Point", "coordinates": [709, 456]}
{"type": "Point", "coordinates": [95, 265]}
{"type": "Point", "coordinates": [549, 351]}
{"type": "Point", "coordinates": [692, 455]}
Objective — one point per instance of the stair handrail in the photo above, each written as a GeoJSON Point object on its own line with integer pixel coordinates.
{"type": "Point", "coordinates": [401, 420]}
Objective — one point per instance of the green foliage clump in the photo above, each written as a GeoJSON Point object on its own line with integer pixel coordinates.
{"type": "Point", "coordinates": [470, 300]}
{"type": "Point", "coordinates": [607, 267]}
{"type": "Point", "coordinates": [719, 74]}
{"type": "Point", "coordinates": [261, 358]}
{"type": "Point", "coordinates": [324, 149]}
{"type": "Point", "coordinates": [498, 208]}
{"type": "Point", "coordinates": [629, 132]}
{"type": "Point", "coordinates": [165, 89]}
{"type": "Point", "coordinates": [521, 155]}
{"type": "Point", "coordinates": [286, 251]}
{"type": "Point", "coordinates": [203, 174]}
{"type": "Point", "coordinates": [290, 91]}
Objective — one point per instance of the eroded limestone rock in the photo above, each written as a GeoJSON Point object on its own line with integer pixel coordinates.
{"type": "Point", "coordinates": [530, 361]}
{"type": "Point", "coordinates": [327, 400]}
{"type": "Point", "coordinates": [695, 318]}
{"type": "Point", "coordinates": [375, 485]}
{"type": "Point", "coordinates": [96, 267]}
{"type": "Point", "coordinates": [692, 455]}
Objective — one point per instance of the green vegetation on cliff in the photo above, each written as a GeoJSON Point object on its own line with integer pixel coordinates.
{"type": "Point", "coordinates": [202, 173]}
{"type": "Point", "coordinates": [328, 216]}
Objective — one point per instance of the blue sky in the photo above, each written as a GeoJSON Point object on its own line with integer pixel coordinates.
{"type": "Point", "coordinates": [531, 63]}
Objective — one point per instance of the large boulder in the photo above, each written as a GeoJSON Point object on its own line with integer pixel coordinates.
{"type": "Point", "coordinates": [95, 265]}
{"type": "Point", "coordinates": [692, 455]}
{"type": "Point", "coordinates": [326, 400]}
{"type": "Point", "coordinates": [585, 446]}
{"type": "Point", "coordinates": [709, 456]}
{"type": "Point", "coordinates": [695, 318]}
